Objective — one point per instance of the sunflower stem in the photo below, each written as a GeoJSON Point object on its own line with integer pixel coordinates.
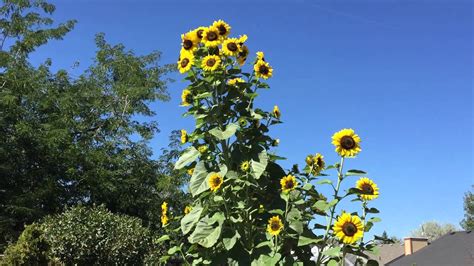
{"type": "Point", "coordinates": [333, 209]}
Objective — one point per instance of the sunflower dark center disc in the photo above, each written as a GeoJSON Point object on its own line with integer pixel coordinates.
{"type": "Point", "coordinates": [263, 69]}
{"type": "Point", "coordinates": [222, 30]}
{"type": "Point", "coordinates": [217, 181]}
{"type": "Point", "coordinates": [349, 229]}
{"type": "Point", "coordinates": [367, 188]}
{"type": "Point", "coordinates": [232, 47]}
{"type": "Point", "coordinates": [211, 62]}
{"type": "Point", "coordinates": [187, 44]}
{"type": "Point", "coordinates": [289, 184]}
{"type": "Point", "coordinates": [199, 34]}
{"type": "Point", "coordinates": [275, 226]}
{"type": "Point", "coordinates": [211, 36]}
{"type": "Point", "coordinates": [184, 62]}
{"type": "Point", "coordinates": [347, 142]}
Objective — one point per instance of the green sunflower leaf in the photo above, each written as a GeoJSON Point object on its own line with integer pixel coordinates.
{"type": "Point", "coordinates": [332, 252]}
{"type": "Point", "coordinates": [190, 219]}
{"type": "Point", "coordinates": [227, 133]}
{"type": "Point", "coordinates": [324, 181]}
{"type": "Point", "coordinates": [198, 182]}
{"type": "Point", "coordinates": [355, 172]}
{"type": "Point", "coordinates": [189, 155]}
{"type": "Point", "coordinates": [258, 167]}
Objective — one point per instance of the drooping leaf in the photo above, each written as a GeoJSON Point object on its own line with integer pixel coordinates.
{"type": "Point", "coordinates": [355, 172]}
{"type": "Point", "coordinates": [227, 133]}
{"type": "Point", "coordinates": [189, 155]}
{"type": "Point", "coordinates": [198, 182]}
{"type": "Point", "coordinates": [230, 242]}
{"type": "Point", "coordinates": [190, 219]}
{"type": "Point", "coordinates": [258, 167]}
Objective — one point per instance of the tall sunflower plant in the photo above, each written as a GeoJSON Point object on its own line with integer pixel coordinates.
{"type": "Point", "coordinates": [247, 209]}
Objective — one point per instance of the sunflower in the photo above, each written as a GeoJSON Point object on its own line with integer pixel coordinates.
{"type": "Point", "coordinates": [263, 69]}
{"type": "Point", "coordinates": [210, 37]}
{"type": "Point", "coordinates": [164, 219]}
{"type": "Point", "coordinates": [185, 62]}
{"type": "Point", "coordinates": [211, 62]}
{"type": "Point", "coordinates": [318, 163]}
{"type": "Point", "coordinates": [215, 181]}
{"type": "Point", "coordinates": [190, 171]}
{"type": "Point", "coordinates": [202, 149]}
{"type": "Point", "coordinates": [348, 228]}
{"type": "Point", "coordinates": [242, 39]}
{"type": "Point", "coordinates": [261, 208]}
{"type": "Point", "coordinates": [231, 47]}
{"type": "Point", "coordinates": [309, 160]}
{"type": "Point", "coordinates": [184, 136]}
{"type": "Point", "coordinates": [260, 56]}
{"type": "Point", "coordinates": [276, 142]}
{"type": "Point", "coordinates": [243, 122]}
{"type": "Point", "coordinates": [186, 97]}
{"type": "Point", "coordinates": [242, 56]}
{"type": "Point", "coordinates": [245, 166]}
{"type": "Point", "coordinates": [222, 27]}
{"type": "Point", "coordinates": [347, 143]}
{"type": "Point", "coordinates": [276, 112]}
{"type": "Point", "coordinates": [288, 183]}
{"type": "Point", "coordinates": [368, 187]}
{"type": "Point", "coordinates": [199, 32]}
{"type": "Point", "coordinates": [189, 41]}
{"type": "Point", "coordinates": [164, 207]}
{"type": "Point", "coordinates": [187, 209]}
{"type": "Point", "coordinates": [274, 226]}
{"type": "Point", "coordinates": [234, 81]}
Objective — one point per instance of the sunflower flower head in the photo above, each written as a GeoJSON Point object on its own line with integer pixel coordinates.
{"type": "Point", "coordinates": [202, 149]}
{"type": "Point", "coordinates": [190, 171]}
{"type": "Point", "coordinates": [263, 69]}
{"type": "Point", "coordinates": [187, 209]}
{"type": "Point", "coordinates": [369, 189]}
{"type": "Point", "coordinates": [215, 181]}
{"type": "Point", "coordinates": [243, 122]}
{"type": "Point", "coordinates": [210, 37]}
{"type": "Point", "coordinates": [185, 62]}
{"type": "Point", "coordinates": [222, 27]}
{"type": "Point", "coordinates": [198, 33]}
{"type": "Point", "coordinates": [189, 41]}
{"type": "Point", "coordinates": [274, 226]}
{"type": "Point", "coordinates": [317, 163]}
{"type": "Point", "coordinates": [260, 56]}
{"type": "Point", "coordinates": [245, 166]}
{"type": "Point", "coordinates": [348, 228]}
{"type": "Point", "coordinates": [164, 207]}
{"type": "Point", "coordinates": [211, 62]}
{"type": "Point", "coordinates": [231, 47]}
{"type": "Point", "coordinates": [347, 143]}
{"type": "Point", "coordinates": [164, 219]}
{"type": "Point", "coordinates": [164, 213]}
{"type": "Point", "coordinates": [186, 97]}
{"type": "Point", "coordinates": [184, 136]}
{"type": "Point", "coordinates": [276, 112]}
{"type": "Point", "coordinates": [242, 56]}
{"type": "Point", "coordinates": [288, 183]}
{"type": "Point", "coordinates": [276, 142]}
{"type": "Point", "coordinates": [234, 81]}
{"type": "Point", "coordinates": [242, 39]}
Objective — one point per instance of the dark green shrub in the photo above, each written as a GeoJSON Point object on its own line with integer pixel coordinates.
{"type": "Point", "coordinates": [30, 249]}
{"type": "Point", "coordinates": [87, 236]}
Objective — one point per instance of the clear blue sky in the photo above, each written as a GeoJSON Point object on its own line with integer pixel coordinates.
{"type": "Point", "coordinates": [399, 73]}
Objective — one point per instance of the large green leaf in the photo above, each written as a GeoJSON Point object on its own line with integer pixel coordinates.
{"type": "Point", "coordinates": [189, 155]}
{"type": "Point", "coordinates": [303, 240]}
{"type": "Point", "coordinates": [229, 242]}
{"type": "Point", "coordinates": [227, 133]}
{"type": "Point", "coordinates": [332, 252]}
{"type": "Point", "coordinates": [258, 167]}
{"type": "Point", "coordinates": [198, 182]}
{"type": "Point", "coordinates": [208, 231]}
{"type": "Point", "coordinates": [190, 219]}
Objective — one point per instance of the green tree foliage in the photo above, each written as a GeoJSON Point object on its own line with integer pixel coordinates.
{"type": "Point", "coordinates": [30, 249]}
{"type": "Point", "coordinates": [433, 230]}
{"type": "Point", "coordinates": [66, 140]}
{"type": "Point", "coordinates": [468, 222]}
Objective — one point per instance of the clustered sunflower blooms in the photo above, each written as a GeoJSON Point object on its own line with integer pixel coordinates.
{"type": "Point", "coordinates": [315, 163]}
{"type": "Point", "coordinates": [369, 189]}
{"type": "Point", "coordinates": [347, 143]}
{"type": "Point", "coordinates": [274, 226]}
{"type": "Point", "coordinates": [348, 228]}
{"type": "Point", "coordinates": [184, 136]}
{"type": "Point", "coordinates": [288, 183]}
{"type": "Point", "coordinates": [215, 181]}
{"type": "Point", "coordinates": [164, 213]}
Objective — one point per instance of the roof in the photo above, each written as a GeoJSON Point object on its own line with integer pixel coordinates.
{"type": "Point", "coordinates": [452, 249]}
{"type": "Point", "coordinates": [388, 252]}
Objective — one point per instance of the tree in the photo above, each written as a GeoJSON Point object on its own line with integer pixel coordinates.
{"type": "Point", "coordinates": [468, 222]}
{"type": "Point", "coordinates": [433, 230]}
{"type": "Point", "coordinates": [66, 140]}
{"type": "Point", "coordinates": [385, 239]}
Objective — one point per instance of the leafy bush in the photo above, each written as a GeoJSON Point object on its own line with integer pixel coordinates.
{"type": "Point", "coordinates": [87, 236]}
{"type": "Point", "coordinates": [30, 249]}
